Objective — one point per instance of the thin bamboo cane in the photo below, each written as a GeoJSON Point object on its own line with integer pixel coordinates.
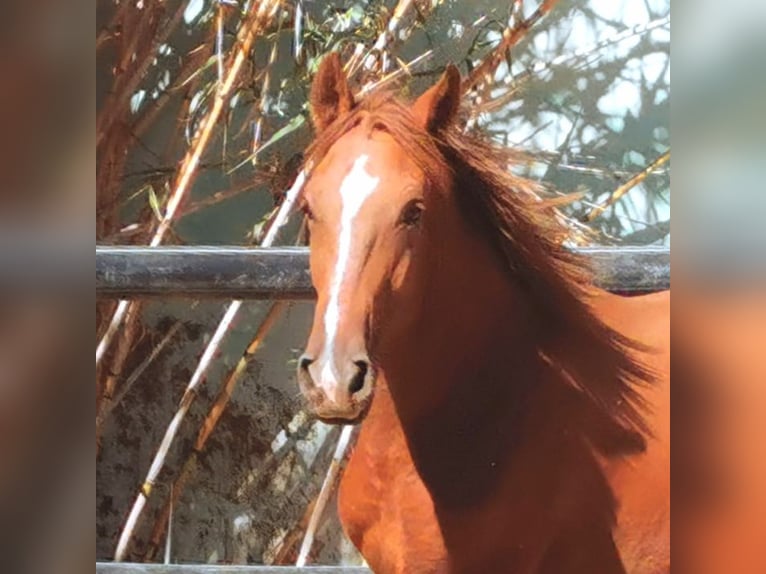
{"type": "Point", "coordinates": [396, 74]}
{"type": "Point", "coordinates": [107, 32]}
{"type": "Point", "coordinates": [298, 32]}
{"type": "Point", "coordinates": [259, 110]}
{"type": "Point", "coordinates": [324, 494]}
{"type": "Point", "coordinates": [282, 551]}
{"type": "Point", "coordinates": [119, 358]}
{"type": "Point", "coordinates": [208, 425]}
{"type": "Point", "coordinates": [163, 519]}
{"type": "Point", "coordinates": [385, 42]}
{"type": "Point", "coordinates": [387, 37]}
{"type": "Point", "coordinates": [159, 458]}
{"type": "Point", "coordinates": [515, 81]}
{"type": "Point", "coordinates": [511, 36]}
{"type": "Point", "coordinates": [169, 537]}
{"type": "Point", "coordinates": [280, 218]}
{"type": "Point", "coordinates": [626, 187]}
{"type": "Point", "coordinates": [260, 16]}
{"type": "Point", "coordinates": [193, 62]}
{"type": "Point", "coordinates": [109, 405]}
{"type": "Point", "coordinates": [214, 414]}
{"type": "Point", "coordinates": [138, 57]}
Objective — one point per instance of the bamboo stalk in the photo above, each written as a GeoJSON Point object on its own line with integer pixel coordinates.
{"type": "Point", "coordinates": [219, 40]}
{"type": "Point", "coordinates": [404, 69]}
{"type": "Point", "coordinates": [114, 324]}
{"type": "Point", "coordinates": [224, 396]}
{"type": "Point", "coordinates": [261, 14]}
{"type": "Point", "coordinates": [219, 196]}
{"type": "Point", "coordinates": [190, 394]}
{"type": "Point", "coordinates": [387, 37]}
{"type": "Point", "coordinates": [626, 187]}
{"type": "Point", "coordinates": [384, 43]}
{"type": "Point", "coordinates": [111, 165]}
{"type": "Point", "coordinates": [163, 520]}
{"type": "Point", "coordinates": [265, 86]}
{"type": "Point", "coordinates": [259, 20]}
{"type": "Point", "coordinates": [281, 553]}
{"type": "Point", "coordinates": [278, 221]}
{"type": "Point", "coordinates": [298, 32]}
{"type": "Point", "coordinates": [106, 33]}
{"type": "Point", "coordinates": [122, 351]}
{"type": "Point", "coordinates": [328, 486]}
{"type": "Point", "coordinates": [149, 40]}
{"type": "Point", "coordinates": [193, 62]}
{"type": "Point", "coordinates": [567, 59]}
{"type": "Point", "coordinates": [109, 405]}
{"type": "Point", "coordinates": [214, 414]}
{"type": "Point", "coordinates": [511, 36]}
{"type": "Point", "coordinates": [169, 537]}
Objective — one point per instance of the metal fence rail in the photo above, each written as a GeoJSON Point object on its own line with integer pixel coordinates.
{"type": "Point", "coordinates": [282, 273]}
{"type": "Point", "coordinates": [133, 568]}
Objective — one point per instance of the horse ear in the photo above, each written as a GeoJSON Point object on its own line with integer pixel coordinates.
{"type": "Point", "coordinates": [330, 95]}
{"type": "Point", "coordinates": [439, 105]}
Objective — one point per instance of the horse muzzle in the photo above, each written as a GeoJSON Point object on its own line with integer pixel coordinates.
{"type": "Point", "coordinates": [337, 392]}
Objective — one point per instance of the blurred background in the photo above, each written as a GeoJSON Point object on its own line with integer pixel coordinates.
{"type": "Point", "coordinates": [201, 124]}
{"type": "Point", "coordinates": [47, 192]}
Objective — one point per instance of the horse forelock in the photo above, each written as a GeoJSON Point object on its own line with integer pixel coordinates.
{"type": "Point", "coordinates": [381, 111]}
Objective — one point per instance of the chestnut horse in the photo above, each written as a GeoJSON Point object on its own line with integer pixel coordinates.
{"type": "Point", "coordinates": [515, 418]}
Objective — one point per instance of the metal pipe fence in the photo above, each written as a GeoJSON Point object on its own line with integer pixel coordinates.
{"type": "Point", "coordinates": [282, 273]}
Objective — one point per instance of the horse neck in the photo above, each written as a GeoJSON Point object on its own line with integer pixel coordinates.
{"type": "Point", "coordinates": [496, 446]}
{"type": "Point", "coordinates": [472, 391]}
{"type": "Point", "coordinates": [458, 381]}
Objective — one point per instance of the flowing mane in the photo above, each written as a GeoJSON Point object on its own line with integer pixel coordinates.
{"type": "Point", "coordinates": [598, 369]}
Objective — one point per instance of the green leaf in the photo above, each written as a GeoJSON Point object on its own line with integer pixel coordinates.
{"type": "Point", "coordinates": [154, 202]}
{"type": "Point", "coordinates": [295, 123]}
{"type": "Point", "coordinates": [210, 61]}
{"type": "Point", "coordinates": [257, 233]}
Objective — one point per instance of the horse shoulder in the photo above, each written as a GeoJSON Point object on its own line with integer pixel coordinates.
{"type": "Point", "coordinates": [383, 505]}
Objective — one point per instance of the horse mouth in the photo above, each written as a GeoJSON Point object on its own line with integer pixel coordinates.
{"type": "Point", "coordinates": [337, 418]}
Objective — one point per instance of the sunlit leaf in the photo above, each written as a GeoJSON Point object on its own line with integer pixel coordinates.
{"type": "Point", "coordinates": [154, 202]}
{"type": "Point", "coordinates": [286, 130]}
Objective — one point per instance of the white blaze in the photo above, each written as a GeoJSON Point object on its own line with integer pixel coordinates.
{"type": "Point", "coordinates": [356, 187]}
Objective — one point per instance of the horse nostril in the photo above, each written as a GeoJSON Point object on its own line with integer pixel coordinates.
{"type": "Point", "coordinates": [303, 364]}
{"type": "Point", "coordinates": [357, 381]}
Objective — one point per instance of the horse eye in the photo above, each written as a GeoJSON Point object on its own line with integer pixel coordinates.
{"type": "Point", "coordinates": [411, 213]}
